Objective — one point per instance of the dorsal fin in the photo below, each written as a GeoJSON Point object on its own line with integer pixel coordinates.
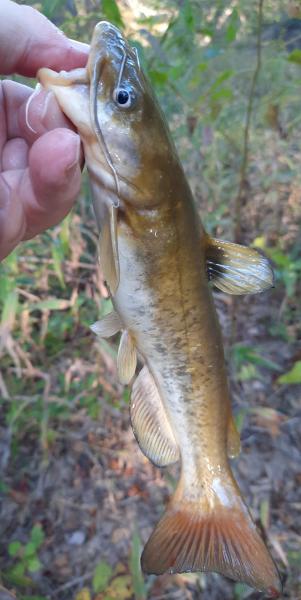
{"type": "Point", "coordinates": [108, 249]}
{"type": "Point", "coordinates": [150, 423]}
{"type": "Point", "coordinates": [237, 269]}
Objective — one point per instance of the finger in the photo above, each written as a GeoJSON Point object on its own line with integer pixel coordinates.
{"type": "Point", "coordinates": [15, 155]}
{"type": "Point", "coordinates": [28, 114]}
{"type": "Point", "coordinates": [40, 196]}
{"type": "Point", "coordinates": [40, 43]}
{"type": "Point", "coordinates": [52, 181]}
{"type": "Point", "coordinates": [12, 217]}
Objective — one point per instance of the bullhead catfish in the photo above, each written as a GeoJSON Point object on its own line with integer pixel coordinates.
{"type": "Point", "coordinates": [157, 260]}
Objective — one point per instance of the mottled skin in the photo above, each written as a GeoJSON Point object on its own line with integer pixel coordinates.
{"type": "Point", "coordinates": [165, 302]}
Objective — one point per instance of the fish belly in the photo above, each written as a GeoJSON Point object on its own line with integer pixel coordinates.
{"type": "Point", "coordinates": [175, 329]}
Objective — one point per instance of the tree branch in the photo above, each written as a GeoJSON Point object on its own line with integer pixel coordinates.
{"type": "Point", "coordinates": [245, 155]}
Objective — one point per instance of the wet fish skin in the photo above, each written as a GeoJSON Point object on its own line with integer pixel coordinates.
{"type": "Point", "coordinates": [160, 292]}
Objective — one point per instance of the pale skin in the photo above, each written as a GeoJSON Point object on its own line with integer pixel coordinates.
{"type": "Point", "coordinates": [40, 153]}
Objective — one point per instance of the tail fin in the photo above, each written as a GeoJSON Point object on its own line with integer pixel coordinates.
{"type": "Point", "coordinates": [214, 534]}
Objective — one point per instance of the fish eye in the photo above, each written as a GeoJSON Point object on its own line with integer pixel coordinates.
{"type": "Point", "coordinates": [123, 97]}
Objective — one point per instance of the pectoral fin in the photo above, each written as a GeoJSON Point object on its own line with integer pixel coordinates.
{"type": "Point", "coordinates": [237, 269]}
{"type": "Point", "coordinates": [126, 358]}
{"type": "Point", "coordinates": [108, 249]}
{"type": "Point", "coordinates": [108, 325]}
{"type": "Point", "coordinates": [150, 423]}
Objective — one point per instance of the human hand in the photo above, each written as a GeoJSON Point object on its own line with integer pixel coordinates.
{"type": "Point", "coordinates": [40, 154]}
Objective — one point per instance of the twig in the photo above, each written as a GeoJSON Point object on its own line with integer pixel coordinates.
{"type": "Point", "coordinates": [3, 389]}
{"type": "Point", "coordinates": [245, 155]}
{"type": "Point", "coordinates": [66, 586]}
{"type": "Point", "coordinates": [244, 163]}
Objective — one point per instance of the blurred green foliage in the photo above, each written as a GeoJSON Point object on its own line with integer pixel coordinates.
{"type": "Point", "coordinates": [200, 57]}
{"type": "Point", "coordinates": [26, 560]}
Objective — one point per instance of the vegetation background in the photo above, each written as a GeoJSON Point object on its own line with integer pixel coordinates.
{"type": "Point", "coordinates": [78, 497]}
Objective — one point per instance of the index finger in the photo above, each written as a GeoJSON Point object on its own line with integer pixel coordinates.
{"type": "Point", "coordinates": [39, 42]}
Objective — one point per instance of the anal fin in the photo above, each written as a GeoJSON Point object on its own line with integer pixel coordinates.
{"type": "Point", "coordinates": [237, 269]}
{"type": "Point", "coordinates": [150, 423]}
{"type": "Point", "coordinates": [126, 358]}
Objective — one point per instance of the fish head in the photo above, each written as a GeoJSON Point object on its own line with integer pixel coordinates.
{"type": "Point", "coordinates": [128, 148]}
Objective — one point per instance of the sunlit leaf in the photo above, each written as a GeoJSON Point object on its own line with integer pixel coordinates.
{"type": "Point", "coordinates": [111, 12]}
{"type": "Point", "coordinates": [34, 564]}
{"type": "Point", "coordinates": [102, 575]}
{"type": "Point", "coordinates": [14, 548]}
{"type": "Point", "coordinates": [37, 535]}
{"type": "Point", "coordinates": [292, 376]}
{"type": "Point", "coordinates": [137, 577]}
{"type": "Point", "coordinates": [295, 56]}
{"type": "Point", "coordinates": [58, 256]}
{"type": "Point", "coordinates": [84, 594]}
{"type": "Point", "coordinates": [48, 7]}
{"type": "Point", "coordinates": [29, 550]}
{"type": "Point", "coordinates": [233, 25]}
{"type": "Point", "coordinates": [9, 309]}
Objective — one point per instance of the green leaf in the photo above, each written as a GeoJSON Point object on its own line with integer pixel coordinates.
{"type": "Point", "coordinates": [233, 24]}
{"type": "Point", "coordinates": [223, 93]}
{"type": "Point", "coordinates": [37, 536]}
{"type": "Point", "coordinates": [137, 577]}
{"type": "Point", "coordinates": [101, 577]}
{"type": "Point", "coordinates": [241, 591]}
{"type": "Point", "coordinates": [49, 7]}
{"type": "Point", "coordinates": [293, 376]}
{"type": "Point", "coordinates": [16, 575]}
{"type": "Point", "coordinates": [188, 16]}
{"type": "Point", "coordinates": [14, 547]}
{"type": "Point", "coordinates": [58, 257]}
{"type": "Point", "coordinates": [65, 233]}
{"type": "Point", "coordinates": [34, 598]}
{"type": "Point", "coordinates": [10, 309]}
{"type": "Point", "coordinates": [227, 74]}
{"type": "Point", "coordinates": [158, 77]}
{"type": "Point", "coordinates": [30, 550]}
{"type": "Point", "coordinates": [121, 588]}
{"type": "Point", "coordinates": [247, 354]}
{"type": "Point", "coordinates": [18, 570]}
{"type": "Point", "coordinates": [264, 513]}
{"type": "Point", "coordinates": [247, 372]}
{"type": "Point", "coordinates": [111, 11]}
{"type": "Point", "coordinates": [34, 565]}
{"type": "Point", "coordinates": [295, 56]}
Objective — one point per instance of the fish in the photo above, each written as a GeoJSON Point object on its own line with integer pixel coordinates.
{"type": "Point", "coordinates": [160, 265]}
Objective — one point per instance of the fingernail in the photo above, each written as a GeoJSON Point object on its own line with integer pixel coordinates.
{"type": "Point", "coordinates": [48, 99]}
{"type": "Point", "coordinates": [35, 93]}
{"type": "Point", "coordinates": [79, 46]}
{"type": "Point", "coordinates": [75, 151]}
{"type": "Point", "coordinates": [5, 192]}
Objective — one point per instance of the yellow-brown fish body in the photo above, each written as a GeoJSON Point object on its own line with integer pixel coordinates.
{"type": "Point", "coordinates": [156, 257]}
